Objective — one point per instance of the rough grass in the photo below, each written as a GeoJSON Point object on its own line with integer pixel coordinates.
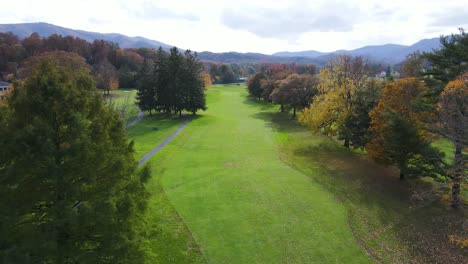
{"type": "Point", "coordinates": [123, 100]}
{"type": "Point", "coordinates": [385, 218]}
{"type": "Point", "coordinates": [168, 239]}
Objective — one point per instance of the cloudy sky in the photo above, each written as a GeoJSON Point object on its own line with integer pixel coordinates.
{"type": "Point", "coordinates": [252, 25]}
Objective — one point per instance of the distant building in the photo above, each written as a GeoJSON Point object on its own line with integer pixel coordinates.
{"type": "Point", "coordinates": [4, 87]}
{"type": "Point", "coordinates": [382, 74]}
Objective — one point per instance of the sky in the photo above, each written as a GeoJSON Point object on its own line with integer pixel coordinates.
{"type": "Point", "coordinates": [263, 26]}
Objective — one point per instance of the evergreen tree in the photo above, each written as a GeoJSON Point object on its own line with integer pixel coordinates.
{"type": "Point", "coordinates": [175, 83]}
{"type": "Point", "coordinates": [448, 62]}
{"type": "Point", "coordinates": [68, 188]}
{"type": "Point", "coordinates": [146, 91]}
{"type": "Point", "coordinates": [163, 96]}
{"type": "Point", "coordinates": [356, 126]}
{"type": "Point", "coordinates": [194, 85]}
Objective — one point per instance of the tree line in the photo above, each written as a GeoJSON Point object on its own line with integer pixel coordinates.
{"type": "Point", "coordinates": [172, 84]}
{"type": "Point", "coordinates": [395, 121]}
{"type": "Point", "coordinates": [112, 67]}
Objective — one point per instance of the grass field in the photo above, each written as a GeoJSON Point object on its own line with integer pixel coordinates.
{"type": "Point", "coordinates": [242, 204]}
{"type": "Point", "coordinates": [246, 184]}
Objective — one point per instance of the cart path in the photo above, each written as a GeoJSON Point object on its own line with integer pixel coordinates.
{"type": "Point", "coordinates": [136, 120]}
{"type": "Point", "coordinates": [163, 144]}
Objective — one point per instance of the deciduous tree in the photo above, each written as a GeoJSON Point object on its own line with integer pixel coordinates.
{"type": "Point", "coordinates": [333, 105]}
{"type": "Point", "coordinates": [453, 112]}
{"type": "Point", "coordinates": [296, 91]}
{"type": "Point", "coordinates": [398, 128]}
{"type": "Point", "coordinates": [254, 85]}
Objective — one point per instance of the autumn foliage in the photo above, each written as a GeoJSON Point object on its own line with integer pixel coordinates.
{"type": "Point", "coordinates": [397, 125]}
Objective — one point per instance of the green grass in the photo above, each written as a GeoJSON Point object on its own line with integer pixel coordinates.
{"type": "Point", "coordinates": [246, 184]}
{"type": "Point", "coordinates": [146, 138]}
{"type": "Point", "coordinates": [242, 204]}
{"type": "Point", "coordinates": [168, 238]}
{"type": "Point", "coordinates": [123, 100]}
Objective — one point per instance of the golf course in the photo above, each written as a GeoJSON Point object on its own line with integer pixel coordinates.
{"type": "Point", "coordinates": [244, 183]}
{"type": "Point", "coordinates": [225, 193]}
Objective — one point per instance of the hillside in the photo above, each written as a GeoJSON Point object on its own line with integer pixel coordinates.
{"type": "Point", "coordinates": [236, 57]}
{"type": "Point", "coordinates": [45, 30]}
{"type": "Point", "coordinates": [388, 53]}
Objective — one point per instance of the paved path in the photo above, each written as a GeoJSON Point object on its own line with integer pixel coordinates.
{"type": "Point", "coordinates": [163, 144]}
{"type": "Point", "coordinates": [138, 119]}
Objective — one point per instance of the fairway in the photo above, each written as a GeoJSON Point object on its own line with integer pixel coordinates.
{"type": "Point", "coordinates": [241, 203]}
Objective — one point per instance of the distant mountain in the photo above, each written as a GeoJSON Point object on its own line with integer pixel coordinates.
{"type": "Point", "coordinates": [307, 53]}
{"type": "Point", "coordinates": [44, 30]}
{"type": "Point", "coordinates": [236, 57]}
{"type": "Point", "coordinates": [388, 53]}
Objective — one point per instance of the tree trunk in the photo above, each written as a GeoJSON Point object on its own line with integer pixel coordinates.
{"type": "Point", "coordinates": [457, 175]}
{"type": "Point", "coordinates": [180, 113]}
{"type": "Point", "coordinates": [282, 108]}
{"type": "Point", "coordinates": [294, 112]}
{"type": "Point", "coordinates": [402, 176]}
{"type": "Point", "coordinates": [346, 143]}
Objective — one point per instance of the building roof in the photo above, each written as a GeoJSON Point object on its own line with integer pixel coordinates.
{"type": "Point", "coordinates": [4, 83]}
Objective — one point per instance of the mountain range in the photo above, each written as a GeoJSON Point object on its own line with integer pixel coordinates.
{"type": "Point", "coordinates": [44, 30]}
{"type": "Point", "coordinates": [386, 54]}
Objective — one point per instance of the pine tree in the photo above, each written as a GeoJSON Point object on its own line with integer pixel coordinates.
{"type": "Point", "coordinates": [175, 83]}
{"type": "Point", "coordinates": [68, 188]}
{"type": "Point", "coordinates": [146, 91]}
{"type": "Point", "coordinates": [194, 86]}
{"type": "Point", "coordinates": [162, 92]}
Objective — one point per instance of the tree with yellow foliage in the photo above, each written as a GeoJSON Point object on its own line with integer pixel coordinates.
{"type": "Point", "coordinates": [333, 106]}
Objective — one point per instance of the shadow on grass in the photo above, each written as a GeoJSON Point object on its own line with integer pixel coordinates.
{"type": "Point", "coordinates": [381, 212]}
{"type": "Point", "coordinates": [261, 105]}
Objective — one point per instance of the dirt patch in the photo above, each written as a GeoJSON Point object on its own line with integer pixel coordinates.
{"type": "Point", "coordinates": [231, 164]}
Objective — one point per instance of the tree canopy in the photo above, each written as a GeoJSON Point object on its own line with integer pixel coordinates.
{"type": "Point", "coordinates": [398, 128]}
{"type": "Point", "coordinates": [175, 83]}
{"type": "Point", "coordinates": [69, 189]}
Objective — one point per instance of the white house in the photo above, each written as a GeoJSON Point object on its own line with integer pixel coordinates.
{"type": "Point", "coordinates": [4, 86]}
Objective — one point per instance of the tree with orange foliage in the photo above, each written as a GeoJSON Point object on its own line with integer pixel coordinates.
{"type": "Point", "coordinates": [453, 112]}
{"type": "Point", "coordinates": [207, 79]}
{"type": "Point", "coordinates": [106, 77]}
{"type": "Point", "coordinates": [398, 129]}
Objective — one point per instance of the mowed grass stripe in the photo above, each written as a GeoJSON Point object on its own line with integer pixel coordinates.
{"type": "Point", "coordinates": [241, 203]}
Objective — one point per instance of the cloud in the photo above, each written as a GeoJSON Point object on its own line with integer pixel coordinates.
{"type": "Point", "coordinates": [293, 21]}
{"type": "Point", "coordinates": [452, 18]}
{"type": "Point", "coordinates": [98, 21]}
{"type": "Point", "coordinates": [151, 11]}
